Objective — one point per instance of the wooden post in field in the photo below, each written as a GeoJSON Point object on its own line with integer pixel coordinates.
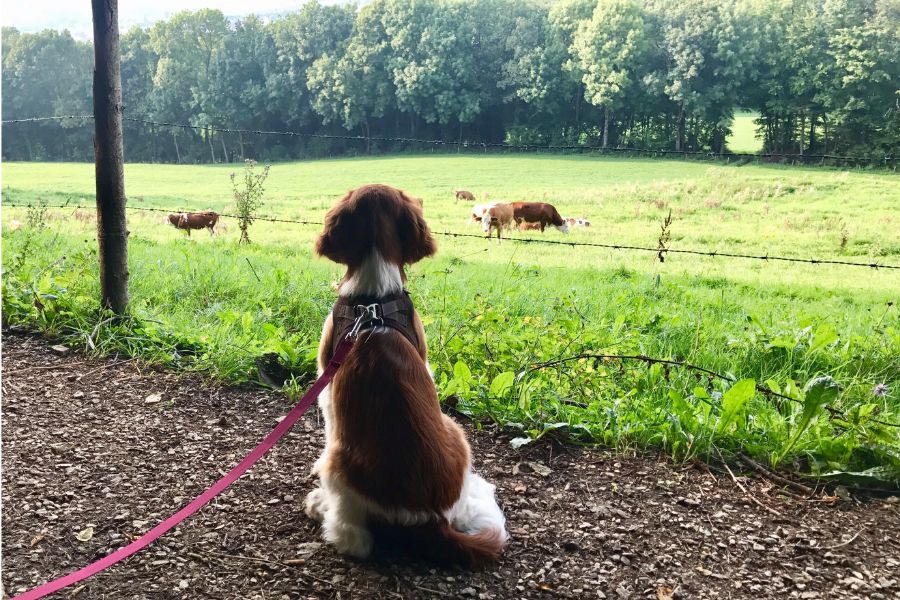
{"type": "Point", "coordinates": [112, 231]}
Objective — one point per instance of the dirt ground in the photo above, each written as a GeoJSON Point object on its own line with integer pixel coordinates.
{"type": "Point", "coordinates": [108, 445]}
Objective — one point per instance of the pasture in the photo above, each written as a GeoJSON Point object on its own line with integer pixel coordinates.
{"type": "Point", "coordinates": [492, 310]}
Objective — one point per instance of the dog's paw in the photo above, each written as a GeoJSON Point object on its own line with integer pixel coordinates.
{"type": "Point", "coordinates": [316, 504]}
{"type": "Point", "coordinates": [351, 540]}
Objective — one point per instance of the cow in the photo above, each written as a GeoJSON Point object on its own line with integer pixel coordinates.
{"type": "Point", "coordinates": [15, 225]}
{"type": "Point", "coordinates": [197, 220]}
{"type": "Point", "coordinates": [497, 216]}
{"type": "Point", "coordinates": [539, 212]}
{"type": "Point", "coordinates": [577, 221]}
{"type": "Point", "coordinates": [477, 211]}
{"type": "Point", "coordinates": [463, 195]}
{"type": "Point", "coordinates": [528, 226]}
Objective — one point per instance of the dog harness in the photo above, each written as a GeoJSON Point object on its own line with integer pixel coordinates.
{"type": "Point", "coordinates": [394, 311]}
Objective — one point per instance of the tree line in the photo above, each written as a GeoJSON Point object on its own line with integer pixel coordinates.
{"type": "Point", "coordinates": [655, 74]}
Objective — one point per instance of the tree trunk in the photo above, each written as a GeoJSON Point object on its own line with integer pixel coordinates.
{"type": "Point", "coordinates": [605, 127]}
{"type": "Point", "coordinates": [812, 135]}
{"type": "Point", "coordinates": [459, 139]}
{"type": "Point", "coordinates": [241, 144]}
{"type": "Point", "coordinates": [212, 151]}
{"type": "Point", "coordinates": [801, 130]}
{"type": "Point", "coordinates": [679, 137]}
{"type": "Point", "coordinates": [368, 137]}
{"type": "Point", "coordinates": [177, 152]}
{"type": "Point", "coordinates": [112, 229]}
{"type": "Point", "coordinates": [224, 149]}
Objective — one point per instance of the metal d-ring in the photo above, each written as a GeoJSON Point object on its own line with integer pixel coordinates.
{"type": "Point", "coordinates": [366, 314]}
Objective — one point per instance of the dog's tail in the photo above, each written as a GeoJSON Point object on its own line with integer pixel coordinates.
{"type": "Point", "coordinates": [439, 542]}
{"type": "Point", "coordinates": [473, 550]}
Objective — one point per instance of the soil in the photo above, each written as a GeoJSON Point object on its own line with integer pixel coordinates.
{"type": "Point", "coordinates": [117, 447]}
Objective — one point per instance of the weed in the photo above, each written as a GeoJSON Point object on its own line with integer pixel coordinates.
{"type": "Point", "coordinates": [248, 196]}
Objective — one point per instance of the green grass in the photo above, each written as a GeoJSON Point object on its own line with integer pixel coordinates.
{"type": "Point", "coordinates": [743, 133]}
{"type": "Point", "coordinates": [492, 310]}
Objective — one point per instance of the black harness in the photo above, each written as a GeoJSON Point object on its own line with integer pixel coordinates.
{"type": "Point", "coordinates": [394, 311]}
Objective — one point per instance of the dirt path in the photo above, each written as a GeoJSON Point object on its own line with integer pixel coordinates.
{"type": "Point", "coordinates": [90, 443]}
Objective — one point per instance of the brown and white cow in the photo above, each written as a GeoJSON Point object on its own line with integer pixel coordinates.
{"type": "Point", "coordinates": [528, 226]}
{"type": "Point", "coordinates": [539, 212]}
{"type": "Point", "coordinates": [464, 195]}
{"type": "Point", "coordinates": [577, 221]}
{"type": "Point", "coordinates": [198, 220]}
{"type": "Point", "coordinates": [497, 216]}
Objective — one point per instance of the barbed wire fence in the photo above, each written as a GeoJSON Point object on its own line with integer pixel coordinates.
{"type": "Point", "coordinates": [888, 162]}
{"type": "Point", "coordinates": [833, 413]}
{"type": "Point", "coordinates": [661, 252]}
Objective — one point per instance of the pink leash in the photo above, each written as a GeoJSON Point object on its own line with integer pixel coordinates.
{"type": "Point", "coordinates": [218, 487]}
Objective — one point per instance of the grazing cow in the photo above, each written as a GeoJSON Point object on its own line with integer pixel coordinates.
{"type": "Point", "coordinates": [15, 225]}
{"type": "Point", "coordinates": [539, 212]}
{"type": "Point", "coordinates": [577, 221]}
{"type": "Point", "coordinates": [464, 195]}
{"type": "Point", "coordinates": [497, 216]}
{"type": "Point", "coordinates": [528, 226]}
{"type": "Point", "coordinates": [478, 210]}
{"type": "Point", "coordinates": [197, 220]}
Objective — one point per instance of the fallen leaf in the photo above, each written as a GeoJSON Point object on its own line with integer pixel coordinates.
{"type": "Point", "coordinates": [152, 398]}
{"type": "Point", "coordinates": [37, 539]}
{"type": "Point", "coordinates": [709, 573]}
{"type": "Point", "coordinates": [85, 534]}
{"type": "Point", "coordinates": [664, 592]}
{"type": "Point", "coordinates": [520, 488]}
{"type": "Point", "coordinates": [542, 470]}
{"type": "Point", "coordinates": [518, 442]}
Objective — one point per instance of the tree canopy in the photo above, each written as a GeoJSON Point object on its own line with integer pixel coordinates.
{"type": "Point", "coordinates": [653, 74]}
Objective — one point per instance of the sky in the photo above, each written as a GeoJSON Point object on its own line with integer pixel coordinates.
{"type": "Point", "coordinates": [75, 15]}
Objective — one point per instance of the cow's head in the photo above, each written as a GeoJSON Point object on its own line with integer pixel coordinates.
{"type": "Point", "coordinates": [375, 218]}
{"type": "Point", "coordinates": [486, 219]}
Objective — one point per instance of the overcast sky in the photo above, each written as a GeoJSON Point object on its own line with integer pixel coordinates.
{"type": "Point", "coordinates": [75, 15]}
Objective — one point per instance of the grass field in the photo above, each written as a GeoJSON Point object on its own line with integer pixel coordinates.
{"type": "Point", "coordinates": [743, 133]}
{"type": "Point", "coordinates": [492, 310]}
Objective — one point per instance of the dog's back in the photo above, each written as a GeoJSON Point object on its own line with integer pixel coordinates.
{"type": "Point", "coordinates": [397, 448]}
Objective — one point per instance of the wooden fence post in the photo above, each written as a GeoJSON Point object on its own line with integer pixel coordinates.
{"type": "Point", "coordinates": [112, 230]}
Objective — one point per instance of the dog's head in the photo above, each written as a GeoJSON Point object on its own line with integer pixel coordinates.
{"type": "Point", "coordinates": [376, 218]}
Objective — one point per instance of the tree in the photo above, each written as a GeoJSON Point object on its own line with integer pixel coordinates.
{"type": "Point", "coordinates": [611, 49]}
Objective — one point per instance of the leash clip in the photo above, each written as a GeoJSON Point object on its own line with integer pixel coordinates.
{"type": "Point", "coordinates": [365, 314]}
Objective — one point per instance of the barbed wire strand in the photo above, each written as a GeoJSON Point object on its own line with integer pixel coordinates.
{"type": "Point", "coordinates": [664, 251]}
{"type": "Point", "coordinates": [481, 145]}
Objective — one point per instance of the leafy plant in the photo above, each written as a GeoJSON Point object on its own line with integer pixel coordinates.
{"type": "Point", "coordinates": [248, 196]}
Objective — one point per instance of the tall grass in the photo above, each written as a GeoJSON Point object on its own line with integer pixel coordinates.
{"type": "Point", "coordinates": [494, 310]}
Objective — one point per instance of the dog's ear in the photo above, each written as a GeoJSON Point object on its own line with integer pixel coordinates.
{"type": "Point", "coordinates": [348, 234]}
{"type": "Point", "coordinates": [415, 237]}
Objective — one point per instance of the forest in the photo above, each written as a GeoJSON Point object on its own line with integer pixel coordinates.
{"type": "Point", "coordinates": [822, 75]}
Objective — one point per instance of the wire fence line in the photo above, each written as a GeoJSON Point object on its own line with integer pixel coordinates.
{"type": "Point", "coordinates": [886, 161]}
{"type": "Point", "coordinates": [659, 251]}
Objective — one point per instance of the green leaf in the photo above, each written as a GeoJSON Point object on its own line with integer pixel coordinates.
{"type": "Point", "coordinates": [502, 383]}
{"type": "Point", "coordinates": [734, 400]}
{"type": "Point", "coordinates": [825, 335]}
{"type": "Point", "coordinates": [461, 371]}
{"type": "Point", "coordinates": [817, 393]}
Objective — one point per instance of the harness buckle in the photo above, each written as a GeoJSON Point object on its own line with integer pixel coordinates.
{"type": "Point", "coordinates": [365, 315]}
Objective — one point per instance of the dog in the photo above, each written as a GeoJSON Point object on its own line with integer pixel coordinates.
{"type": "Point", "coordinates": [393, 462]}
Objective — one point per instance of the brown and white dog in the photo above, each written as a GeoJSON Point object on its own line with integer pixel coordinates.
{"type": "Point", "coordinates": [392, 460]}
